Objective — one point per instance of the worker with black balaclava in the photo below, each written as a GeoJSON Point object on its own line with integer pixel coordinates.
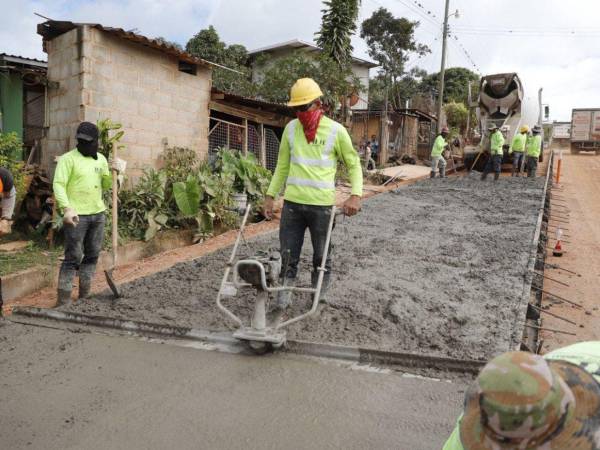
{"type": "Point", "coordinates": [81, 176]}
{"type": "Point", "coordinates": [8, 197]}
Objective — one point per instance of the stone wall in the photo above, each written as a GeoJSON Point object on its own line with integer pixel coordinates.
{"type": "Point", "coordinates": [139, 87]}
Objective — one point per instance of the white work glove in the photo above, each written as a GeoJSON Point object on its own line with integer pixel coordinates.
{"type": "Point", "coordinates": [119, 165]}
{"type": "Point", "coordinates": [70, 217]}
{"type": "Point", "coordinates": [5, 226]}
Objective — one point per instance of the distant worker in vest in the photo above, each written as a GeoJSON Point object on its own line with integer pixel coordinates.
{"type": "Point", "coordinates": [517, 149]}
{"type": "Point", "coordinates": [80, 177]}
{"type": "Point", "coordinates": [374, 147]}
{"type": "Point", "coordinates": [525, 401]}
{"type": "Point", "coordinates": [496, 153]}
{"type": "Point", "coordinates": [438, 162]}
{"type": "Point", "coordinates": [534, 150]}
{"type": "Point", "coordinates": [8, 198]}
{"type": "Point", "coordinates": [310, 149]}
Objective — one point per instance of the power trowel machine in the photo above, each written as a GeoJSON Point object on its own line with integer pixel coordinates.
{"type": "Point", "coordinates": [261, 273]}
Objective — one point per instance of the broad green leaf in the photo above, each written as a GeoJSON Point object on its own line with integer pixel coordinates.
{"type": "Point", "coordinates": [187, 196]}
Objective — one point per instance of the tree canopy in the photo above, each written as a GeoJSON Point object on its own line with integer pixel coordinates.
{"type": "Point", "coordinates": [391, 40]}
{"type": "Point", "coordinates": [337, 27]}
{"type": "Point", "coordinates": [456, 83]}
{"type": "Point", "coordinates": [279, 75]}
{"type": "Point", "coordinates": [207, 44]}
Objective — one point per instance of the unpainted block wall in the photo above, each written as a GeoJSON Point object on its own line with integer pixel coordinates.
{"type": "Point", "coordinates": [139, 87]}
{"type": "Point", "coordinates": [64, 103]}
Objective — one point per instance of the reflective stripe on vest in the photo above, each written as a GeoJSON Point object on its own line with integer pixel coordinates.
{"type": "Point", "coordinates": [312, 162]}
{"type": "Point", "coordinates": [330, 140]}
{"type": "Point", "coordinates": [294, 181]}
{"type": "Point", "coordinates": [291, 133]}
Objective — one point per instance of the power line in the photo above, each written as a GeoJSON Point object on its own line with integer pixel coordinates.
{"type": "Point", "coordinates": [524, 32]}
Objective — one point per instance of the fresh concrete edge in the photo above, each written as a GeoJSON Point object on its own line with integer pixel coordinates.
{"type": "Point", "coordinates": [332, 351]}
{"type": "Point", "coordinates": [521, 320]}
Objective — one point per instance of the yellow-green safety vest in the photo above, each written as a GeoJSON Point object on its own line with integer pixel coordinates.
{"type": "Point", "coordinates": [308, 170]}
{"type": "Point", "coordinates": [518, 143]}
{"type": "Point", "coordinates": [496, 143]}
{"type": "Point", "coordinates": [438, 146]}
{"type": "Point", "coordinates": [534, 146]}
{"type": "Point", "coordinates": [79, 181]}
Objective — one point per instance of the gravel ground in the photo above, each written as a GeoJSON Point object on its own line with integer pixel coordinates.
{"type": "Point", "coordinates": [437, 267]}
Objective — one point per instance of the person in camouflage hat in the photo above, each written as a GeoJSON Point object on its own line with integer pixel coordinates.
{"type": "Point", "coordinates": [527, 402]}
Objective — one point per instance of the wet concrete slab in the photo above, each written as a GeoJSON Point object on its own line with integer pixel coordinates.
{"type": "Point", "coordinates": [437, 268]}
{"type": "Point", "coordinates": [65, 390]}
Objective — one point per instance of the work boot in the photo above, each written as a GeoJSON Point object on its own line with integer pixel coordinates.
{"type": "Point", "coordinates": [63, 297]}
{"type": "Point", "coordinates": [442, 172]}
{"type": "Point", "coordinates": [86, 274]}
{"type": "Point", "coordinates": [496, 176]}
{"type": "Point", "coordinates": [314, 278]}
{"type": "Point", "coordinates": [483, 176]}
{"type": "Point", "coordinates": [65, 286]}
{"type": "Point", "coordinates": [432, 174]}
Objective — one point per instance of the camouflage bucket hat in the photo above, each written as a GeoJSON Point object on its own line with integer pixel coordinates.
{"type": "Point", "coordinates": [521, 401]}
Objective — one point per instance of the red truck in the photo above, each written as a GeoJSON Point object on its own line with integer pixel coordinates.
{"type": "Point", "coordinates": [585, 130]}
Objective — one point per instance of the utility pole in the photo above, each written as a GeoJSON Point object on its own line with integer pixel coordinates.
{"type": "Point", "coordinates": [443, 68]}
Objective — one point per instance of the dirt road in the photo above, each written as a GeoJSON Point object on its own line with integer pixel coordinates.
{"type": "Point", "coordinates": [580, 183]}
{"type": "Point", "coordinates": [428, 269]}
{"type": "Point", "coordinates": [65, 390]}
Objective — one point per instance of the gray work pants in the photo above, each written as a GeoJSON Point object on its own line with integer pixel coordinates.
{"type": "Point", "coordinates": [82, 248]}
{"type": "Point", "coordinates": [532, 163]}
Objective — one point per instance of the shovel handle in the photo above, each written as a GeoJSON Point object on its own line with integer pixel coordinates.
{"type": "Point", "coordinates": [115, 204]}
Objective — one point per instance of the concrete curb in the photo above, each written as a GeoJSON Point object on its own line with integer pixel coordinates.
{"type": "Point", "coordinates": [526, 295]}
{"type": "Point", "coordinates": [354, 354]}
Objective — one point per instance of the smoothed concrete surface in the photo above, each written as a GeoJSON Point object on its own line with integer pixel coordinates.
{"type": "Point", "coordinates": [63, 390]}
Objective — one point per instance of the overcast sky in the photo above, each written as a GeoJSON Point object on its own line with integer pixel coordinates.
{"type": "Point", "coordinates": [566, 63]}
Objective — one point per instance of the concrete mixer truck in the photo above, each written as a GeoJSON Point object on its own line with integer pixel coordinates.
{"type": "Point", "coordinates": [503, 102]}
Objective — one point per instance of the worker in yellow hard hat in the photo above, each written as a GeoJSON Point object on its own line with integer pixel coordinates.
{"type": "Point", "coordinates": [517, 150]}
{"type": "Point", "coordinates": [311, 146]}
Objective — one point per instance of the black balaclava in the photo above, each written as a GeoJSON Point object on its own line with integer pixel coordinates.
{"type": "Point", "coordinates": [87, 139]}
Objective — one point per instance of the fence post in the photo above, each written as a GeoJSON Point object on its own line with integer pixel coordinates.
{"type": "Point", "coordinates": [245, 145]}
{"type": "Point", "coordinates": [263, 146]}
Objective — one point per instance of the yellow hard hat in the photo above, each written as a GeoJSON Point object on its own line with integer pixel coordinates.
{"type": "Point", "coordinates": [524, 129]}
{"type": "Point", "coordinates": [304, 91]}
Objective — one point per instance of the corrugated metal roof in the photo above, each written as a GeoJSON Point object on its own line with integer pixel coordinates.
{"type": "Point", "coordinates": [297, 43]}
{"type": "Point", "coordinates": [54, 28]}
{"type": "Point", "coordinates": [23, 60]}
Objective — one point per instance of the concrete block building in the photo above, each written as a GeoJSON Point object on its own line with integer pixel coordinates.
{"type": "Point", "coordinates": [159, 93]}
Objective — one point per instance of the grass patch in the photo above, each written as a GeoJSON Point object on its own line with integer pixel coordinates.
{"type": "Point", "coordinates": [35, 254]}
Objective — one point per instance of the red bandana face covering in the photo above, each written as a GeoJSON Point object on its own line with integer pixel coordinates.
{"type": "Point", "coordinates": [310, 122]}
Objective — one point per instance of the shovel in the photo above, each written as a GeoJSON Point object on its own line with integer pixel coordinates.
{"type": "Point", "coordinates": [115, 229]}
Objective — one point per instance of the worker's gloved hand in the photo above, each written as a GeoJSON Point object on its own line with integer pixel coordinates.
{"type": "Point", "coordinates": [119, 165]}
{"type": "Point", "coordinates": [352, 205]}
{"type": "Point", "coordinates": [70, 217]}
{"type": "Point", "coordinates": [5, 226]}
{"type": "Point", "coordinates": [268, 207]}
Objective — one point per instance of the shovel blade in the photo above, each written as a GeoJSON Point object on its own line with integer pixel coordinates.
{"type": "Point", "coordinates": [111, 283]}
